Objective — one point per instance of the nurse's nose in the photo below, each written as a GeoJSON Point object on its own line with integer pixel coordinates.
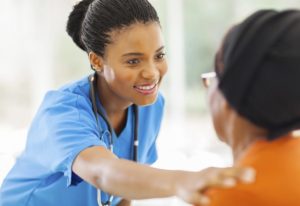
{"type": "Point", "coordinates": [151, 71]}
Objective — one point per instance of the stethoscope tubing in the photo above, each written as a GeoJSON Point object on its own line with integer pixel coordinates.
{"type": "Point", "coordinates": [93, 91]}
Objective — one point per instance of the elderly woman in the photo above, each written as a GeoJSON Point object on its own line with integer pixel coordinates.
{"type": "Point", "coordinates": [255, 107]}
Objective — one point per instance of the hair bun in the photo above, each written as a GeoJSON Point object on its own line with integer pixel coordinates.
{"type": "Point", "coordinates": [75, 20]}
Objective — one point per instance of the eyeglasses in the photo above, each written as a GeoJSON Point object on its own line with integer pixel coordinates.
{"type": "Point", "coordinates": [208, 78]}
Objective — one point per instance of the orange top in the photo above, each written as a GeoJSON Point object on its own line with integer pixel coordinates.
{"type": "Point", "coordinates": [277, 165]}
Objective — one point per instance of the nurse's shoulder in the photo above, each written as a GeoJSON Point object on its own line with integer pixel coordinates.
{"type": "Point", "coordinates": [75, 94]}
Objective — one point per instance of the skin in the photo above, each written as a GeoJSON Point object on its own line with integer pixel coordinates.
{"type": "Point", "coordinates": [134, 58]}
{"type": "Point", "coordinates": [232, 128]}
{"type": "Point", "coordinates": [236, 131]}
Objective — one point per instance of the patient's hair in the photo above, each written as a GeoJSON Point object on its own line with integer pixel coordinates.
{"type": "Point", "coordinates": [261, 69]}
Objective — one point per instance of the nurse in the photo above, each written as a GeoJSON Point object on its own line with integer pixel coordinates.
{"type": "Point", "coordinates": [85, 137]}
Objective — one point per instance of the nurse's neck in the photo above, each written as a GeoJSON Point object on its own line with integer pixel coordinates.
{"type": "Point", "coordinates": [115, 106]}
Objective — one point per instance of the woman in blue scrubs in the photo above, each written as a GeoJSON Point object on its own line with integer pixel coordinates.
{"type": "Point", "coordinates": [85, 135]}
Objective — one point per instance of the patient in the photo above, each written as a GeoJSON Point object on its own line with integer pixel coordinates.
{"type": "Point", "coordinates": [255, 106]}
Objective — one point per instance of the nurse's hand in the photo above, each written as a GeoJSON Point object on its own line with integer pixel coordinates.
{"type": "Point", "coordinates": [191, 187]}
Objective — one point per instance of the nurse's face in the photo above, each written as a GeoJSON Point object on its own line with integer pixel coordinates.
{"type": "Point", "coordinates": [134, 63]}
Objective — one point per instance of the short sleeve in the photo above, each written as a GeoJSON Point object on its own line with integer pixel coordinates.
{"type": "Point", "coordinates": [63, 127]}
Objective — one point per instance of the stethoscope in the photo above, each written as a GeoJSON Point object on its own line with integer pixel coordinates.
{"type": "Point", "coordinates": [96, 111]}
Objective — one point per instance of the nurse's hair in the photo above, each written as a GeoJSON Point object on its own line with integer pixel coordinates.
{"type": "Point", "coordinates": [91, 21]}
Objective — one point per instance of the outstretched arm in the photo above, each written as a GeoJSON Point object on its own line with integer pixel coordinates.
{"type": "Point", "coordinates": [130, 180]}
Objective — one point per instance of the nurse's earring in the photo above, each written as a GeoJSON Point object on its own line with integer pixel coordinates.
{"type": "Point", "coordinates": [96, 68]}
{"type": "Point", "coordinates": [96, 62]}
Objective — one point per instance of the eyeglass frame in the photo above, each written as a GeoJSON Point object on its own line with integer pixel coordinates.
{"type": "Point", "coordinates": [207, 78]}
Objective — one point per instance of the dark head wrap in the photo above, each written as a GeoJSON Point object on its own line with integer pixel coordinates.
{"type": "Point", "coordinates": [261, 76]}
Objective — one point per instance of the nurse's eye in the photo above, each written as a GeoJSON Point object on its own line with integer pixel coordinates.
{"type": "Point", "coordinates": [133, 61]}
{"type": "Point", "coordinates": [160, 56]}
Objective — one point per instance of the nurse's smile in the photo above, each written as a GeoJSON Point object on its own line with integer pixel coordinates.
{"type": "Point", "coordinates": [147, 89]}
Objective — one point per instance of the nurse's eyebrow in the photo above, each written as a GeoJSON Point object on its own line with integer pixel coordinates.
{"type": "Point", "coordinates": [141, 54]}
{"type": "Point", "coordinates": [160, 48]}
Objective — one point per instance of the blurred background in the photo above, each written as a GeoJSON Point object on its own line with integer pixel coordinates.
{"type": "Point", "coordinates": [36, 55]}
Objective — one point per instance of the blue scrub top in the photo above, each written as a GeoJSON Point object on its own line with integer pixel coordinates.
{"type": "Point", "coordinates": [64, 126]}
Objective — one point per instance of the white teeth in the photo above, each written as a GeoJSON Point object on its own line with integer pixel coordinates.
{"type": "Point", "coordinates": [146, 87]}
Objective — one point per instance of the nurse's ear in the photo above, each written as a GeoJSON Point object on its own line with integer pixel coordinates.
{"type": "Point", "coordinates": [96, 61]}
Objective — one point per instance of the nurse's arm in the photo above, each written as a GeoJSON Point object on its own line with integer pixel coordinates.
{"type": "Point", "coordinates": [130, 180]}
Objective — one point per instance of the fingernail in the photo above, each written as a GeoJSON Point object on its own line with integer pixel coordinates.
{"type": "Point", "coordinates": [249, 175]}
{"type": "Point", "coordinates": [229, 182]}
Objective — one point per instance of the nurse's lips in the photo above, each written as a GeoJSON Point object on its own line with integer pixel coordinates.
{"type": "Point", "coordinates": [146, 89]}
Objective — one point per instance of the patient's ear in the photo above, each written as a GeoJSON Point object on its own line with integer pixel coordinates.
{"type": "Point", "coordinates": [96, 61]}
{"type": "Point", "coordinates": [218, 109]}
{"type": "Point", "coordinates": [226, 105]}
{"type": "Point", "coordinates": [217, 101]}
